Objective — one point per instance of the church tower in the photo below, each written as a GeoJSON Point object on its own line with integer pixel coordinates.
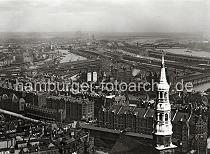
{"type": "Point", "coordinates": [163, 127]}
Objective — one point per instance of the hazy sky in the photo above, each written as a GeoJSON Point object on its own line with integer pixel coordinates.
{"type": "Point", "coordinates": [105, 15]}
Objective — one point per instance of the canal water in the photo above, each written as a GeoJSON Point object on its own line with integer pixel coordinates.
{"type": "Point", "coordinates": [202, 87]}
{"type": "Point", "coordinates": [70, 57]}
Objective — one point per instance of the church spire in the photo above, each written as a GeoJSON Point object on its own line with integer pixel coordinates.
{"type": "Point", "coordinates": [163, 126]}
{"type": "Point", "coordinates": [163, 71]}
{"type": "Point", "coordinates": [163, 84]}
{"type": "Point", "coordinates": [163, 61]}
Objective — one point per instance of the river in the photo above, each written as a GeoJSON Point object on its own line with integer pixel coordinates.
{"type": "Point", "coordinates": [203, 54]}
{"type": "Point", "coordinates": [69, 57]}
{"type": "Point", "coordinates": [189, 53]}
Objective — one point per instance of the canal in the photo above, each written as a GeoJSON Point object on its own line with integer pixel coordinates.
{"type": "Point", "coordinates": [202, 87]}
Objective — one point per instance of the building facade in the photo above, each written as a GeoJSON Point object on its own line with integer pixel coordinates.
{"type": "Point", "coordinates": [72, 108]}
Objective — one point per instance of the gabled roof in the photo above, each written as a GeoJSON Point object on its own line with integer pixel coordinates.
{"type": "Point", "coordinates": [199, 121]}
{"type": "Point", "coordinates": [14, 98]}
{"type": "Point", "coordinates": [124, 110]}
{"type": "Point", "coordinates": [21, 100]}
{"type": "Point", "coordinates": [150, 113]}
{"type": "Point", "coordinates": [5, 96]}
{"type": "Point", "coordinates": [173, 114]}
{"type": "Point", "coordinates": [139, 112]}
{"type": "Point", "coordinates": [114, 109]}
{"type": "Point", "coordinates": [181, 116]}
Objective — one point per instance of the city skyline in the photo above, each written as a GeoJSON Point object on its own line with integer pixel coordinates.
{"type": "Point", "coordinates": [105, 16]}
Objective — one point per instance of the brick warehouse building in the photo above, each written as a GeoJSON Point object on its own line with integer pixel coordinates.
{"type": "Point", "coordinates": [56, 108]}
{"type": "Point", "coordinates": [72, 108]}
{"type": "Point", "coordinates": [189, 127]}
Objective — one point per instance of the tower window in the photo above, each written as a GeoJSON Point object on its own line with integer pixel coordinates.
{"type": "Point", "coordinates": [166, 95]}
{"type": "Point", "coordinates": [161, 116]}
{"type": "Point", "coordinates": [166, 117]}
{"type": "Point", "coordinates": [167, 141]}
{"type": "Point", "coordinates": [161, 95]}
